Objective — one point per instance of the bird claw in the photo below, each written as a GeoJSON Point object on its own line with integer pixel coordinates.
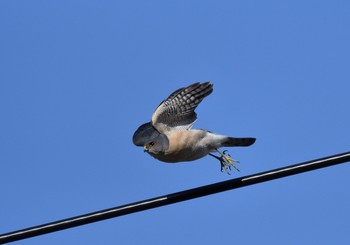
{"type": "Point", "coordinates": [227, 162]}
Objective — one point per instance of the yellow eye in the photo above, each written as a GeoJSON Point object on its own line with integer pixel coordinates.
{"type": "Point", "coordinates": [151, 144]}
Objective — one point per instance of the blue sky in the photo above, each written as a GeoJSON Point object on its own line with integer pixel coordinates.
{"type": "Point", "coordinates": [78, 77]}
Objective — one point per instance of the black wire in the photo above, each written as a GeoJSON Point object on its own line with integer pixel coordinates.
{"type": "Point", "coordinates": [174, 198]}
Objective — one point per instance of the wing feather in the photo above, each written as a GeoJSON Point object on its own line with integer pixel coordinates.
{"type": "Point", "coordinates": [177, 111]}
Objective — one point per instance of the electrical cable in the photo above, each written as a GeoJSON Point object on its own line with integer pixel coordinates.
{"type": "Point", "coordinates": [174, 197]}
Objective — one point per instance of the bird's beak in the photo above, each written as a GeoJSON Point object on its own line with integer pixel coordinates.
{"type": "Point", "coordinates": [145, 148]}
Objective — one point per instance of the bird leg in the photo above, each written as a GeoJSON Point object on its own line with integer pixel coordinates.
{"type": "Point", "coordinates": [226, 161]}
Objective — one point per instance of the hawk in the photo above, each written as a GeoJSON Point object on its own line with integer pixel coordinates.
{"type": "Point", "coordinates": [169, 136]}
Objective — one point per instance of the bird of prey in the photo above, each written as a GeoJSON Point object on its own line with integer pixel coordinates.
{"type": "Point", "coordinates": [169, 136]}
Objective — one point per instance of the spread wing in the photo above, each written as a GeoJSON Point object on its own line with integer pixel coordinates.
{"type": "Point", "coordinates": [177, 111]}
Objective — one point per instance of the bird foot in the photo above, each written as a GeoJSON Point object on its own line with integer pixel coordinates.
{"type": "Point", "coordinates": [226, 161]}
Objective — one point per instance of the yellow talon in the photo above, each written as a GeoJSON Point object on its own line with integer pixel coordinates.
{"type": "Point", "coordinates": [227, 162]}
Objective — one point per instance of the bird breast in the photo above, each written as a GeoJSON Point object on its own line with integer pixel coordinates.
{"type": "Point", "coordinates": [184, 146]}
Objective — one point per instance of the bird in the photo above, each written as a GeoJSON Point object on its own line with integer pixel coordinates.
{"type": "Point", "coordinates": [169, 136]}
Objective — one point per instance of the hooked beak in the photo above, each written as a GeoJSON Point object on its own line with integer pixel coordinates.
{"type": "Point", "coordinates": [145, 149]}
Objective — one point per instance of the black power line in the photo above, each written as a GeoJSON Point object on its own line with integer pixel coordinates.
{"type": "Point", "coordinates": [174, 198]}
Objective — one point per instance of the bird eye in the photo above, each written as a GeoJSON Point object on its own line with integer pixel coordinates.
{"type": "Point", "coordinates": [151, 144]}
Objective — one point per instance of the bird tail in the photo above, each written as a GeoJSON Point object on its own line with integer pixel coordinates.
{"type": "Point", "coordinates": [230, 141]}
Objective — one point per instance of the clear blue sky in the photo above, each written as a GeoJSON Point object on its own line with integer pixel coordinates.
{"type": "Point", "coordinates": [78, 77]}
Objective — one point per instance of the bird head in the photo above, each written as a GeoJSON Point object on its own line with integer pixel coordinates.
{"type": "Point", "coordinates": [157, 145]}
{"type": "Point", "coordinates": [144, 134]}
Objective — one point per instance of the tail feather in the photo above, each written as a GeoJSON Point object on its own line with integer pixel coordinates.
{"type": "Point", "coordinates": [230, 141]}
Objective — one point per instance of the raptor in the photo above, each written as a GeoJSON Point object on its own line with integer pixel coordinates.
{"type": "Point", "coordinates": [169, 136]}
